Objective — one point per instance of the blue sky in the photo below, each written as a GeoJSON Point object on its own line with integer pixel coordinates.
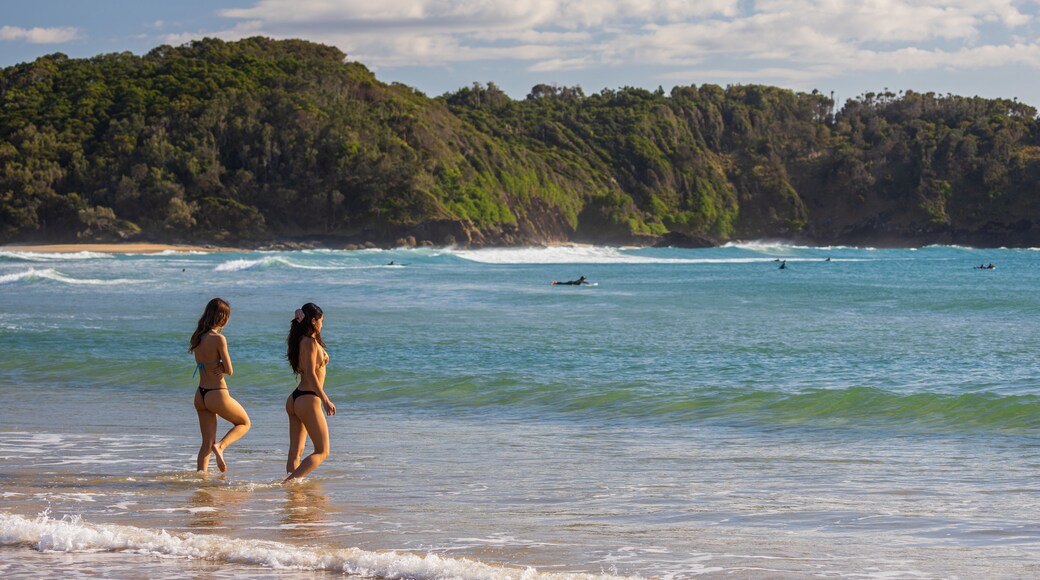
{"type": "Point", "coordinates": [989, 48]}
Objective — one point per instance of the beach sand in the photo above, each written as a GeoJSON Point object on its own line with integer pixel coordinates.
{"type": "Point", "coordinates": [115, 248]}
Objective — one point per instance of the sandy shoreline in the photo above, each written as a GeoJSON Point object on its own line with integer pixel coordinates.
{"type": "Point", "coordinates": [133, 248]}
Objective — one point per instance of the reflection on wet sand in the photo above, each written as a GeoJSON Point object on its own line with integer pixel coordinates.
{"type": "Point", "coordinates": [212, 508]}
{"type": "Point", "coordinates": [305, 513]}
{"type": "Point", "coordinates": [205, 512]}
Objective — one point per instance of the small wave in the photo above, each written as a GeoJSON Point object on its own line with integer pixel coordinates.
{"type": "Point", "coordinates": [179, 253]}
{"type": "Point", "coordinates": [566, 255]}
{"type": "Point", "coordinates": [596, 255]}
{"type": "Point", "coordinates": [853, 406]}
{"type": "Point", "coordinates": [34, 275]}
{"type": "Point", "coordinates": [780, 246]}
{"type": "Point", "coordinates": [268, 262]}
{"type": "Point", "coordinates": [71, 534]}
{"type": "Point", "coordinates": [14, 256]}
{"type": "Point", "coordinates": [238, 265]}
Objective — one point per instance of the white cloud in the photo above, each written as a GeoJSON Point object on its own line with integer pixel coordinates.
{"type": "Point", "coordinates": [39, 35]}
{"type": "Point", "coordinates": [793, 39]}
{"type": "Point", "coordinates": [910, 59]}
{"type": "Point", "coordinates": [561, 64]}
{"type": "Point", "coordinates": [832, 37]}
{"type": "Point", "coordinates": [468, 15]}
{"type": "Point", "coordinates": [785, 76]}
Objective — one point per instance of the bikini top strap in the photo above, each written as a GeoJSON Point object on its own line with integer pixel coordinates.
{"type": "Point", "coordinates": [202, 366]}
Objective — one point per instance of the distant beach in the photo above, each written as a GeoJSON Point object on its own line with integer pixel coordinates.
{"type": "Point", "coordinates": [115, 248]}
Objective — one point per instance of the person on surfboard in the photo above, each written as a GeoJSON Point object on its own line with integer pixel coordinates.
{"type": "Point", "coordinates": [581, 281]}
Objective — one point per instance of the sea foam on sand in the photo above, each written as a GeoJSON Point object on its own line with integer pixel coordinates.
{"type": "Point", "coordinates": [71, 534]}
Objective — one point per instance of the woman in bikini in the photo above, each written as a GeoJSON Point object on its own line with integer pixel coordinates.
{"type": "Point", "coordinates": [212, 399]}
{"type": "Point", "coordinates": [308, 405]}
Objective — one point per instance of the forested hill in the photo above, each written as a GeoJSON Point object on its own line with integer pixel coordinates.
{"type": "Point", "coordinates": [260, 140]}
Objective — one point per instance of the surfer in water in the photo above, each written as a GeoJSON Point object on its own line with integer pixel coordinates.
{"type": "Point", "coordinates": [308, 405]}
{"type": "Point", "coordinates": [783, 265]}
{"type": "Point", "coordinates": [212, 398]}
{"type": "Point", "coordinates": [581, 281]}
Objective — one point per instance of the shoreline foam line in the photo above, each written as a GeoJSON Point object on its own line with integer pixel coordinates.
{"type": "Point", "coordinates": [71, 534]}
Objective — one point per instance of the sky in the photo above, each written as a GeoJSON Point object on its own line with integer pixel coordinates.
{"type": "Point", "coordinates": [989, 48]}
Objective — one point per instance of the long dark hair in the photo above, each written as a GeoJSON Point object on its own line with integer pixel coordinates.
{"type": "Point", "coordinates": [300, 328]}
{"type": "Point", "coordinates": [217, 313]}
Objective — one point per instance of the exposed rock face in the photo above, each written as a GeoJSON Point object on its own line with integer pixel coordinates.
{"type": "Point", "coordinates": [677, 240]}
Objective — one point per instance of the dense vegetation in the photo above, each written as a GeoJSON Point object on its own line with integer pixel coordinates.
{"type": "Point", "coordinates": [258, 140]}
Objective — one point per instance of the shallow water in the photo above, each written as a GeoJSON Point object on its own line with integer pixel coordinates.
{"type": "Point", "coordinates": [696, 412]}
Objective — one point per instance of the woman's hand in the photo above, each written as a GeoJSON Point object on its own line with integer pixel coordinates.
{"type": "Point", "coordinates": [330, 409]}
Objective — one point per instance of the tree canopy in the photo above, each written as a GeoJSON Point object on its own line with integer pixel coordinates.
{"type": "Point", "coordinates": [260, 140]}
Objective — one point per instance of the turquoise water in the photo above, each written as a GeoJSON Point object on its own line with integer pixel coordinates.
{"type": "Point", "coordinates": [860, 412]}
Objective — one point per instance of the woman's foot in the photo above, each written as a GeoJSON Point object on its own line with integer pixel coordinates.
{"type": "Point", "coordinates": [218, 452]}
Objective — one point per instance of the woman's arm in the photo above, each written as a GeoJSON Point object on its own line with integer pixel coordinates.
{"type": "Point", "coordinates": [225, 358]}
{"type": "Point", "coordinates": [310, 365]}
{"type": "Point", "coordinates": [308, 361]}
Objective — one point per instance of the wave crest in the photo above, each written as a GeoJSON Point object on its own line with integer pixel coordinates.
{"type": "Point", "coordinates": [16, 256]}
{"type": "Point", "coordinates": [569, 255]}
{"type": "Point", "coordinates": [34, 275]}
{"type": "Point", "coordinates": [71, 534]}
{"type": "Point", "coordinates": [267, 262]}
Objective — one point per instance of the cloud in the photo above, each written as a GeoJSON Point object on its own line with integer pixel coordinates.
{"type": "Point", "coordinates": [793, 39]}
{"type": "Point", "coordinates": [473, 15]}
{"type": "Point", "coordinates": [911, 59]}
{"type": "Point", "coordinates": [785, 76]}
{"type": "Point", "coordinates": [560, 64]}
{"type": "Point", "coordinates": [440, 32]}
{"type": "Point", "coordinates": [39, 35]}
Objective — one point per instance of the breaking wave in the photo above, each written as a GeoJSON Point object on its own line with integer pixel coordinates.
{"type": "Point", "coordinates": [71, 534]}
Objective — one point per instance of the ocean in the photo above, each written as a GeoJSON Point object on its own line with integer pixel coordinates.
{"type": "Point", "coordinates": [860, 413]}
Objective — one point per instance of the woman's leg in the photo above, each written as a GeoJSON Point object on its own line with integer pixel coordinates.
{"type": "Point", "coordinates": [223, 404]}
{"type": "Point", "coordinates": [308, 409]}
{"type": "Point", "coordinates": [297, 438]}
{"type": "Point", "coordinates": [208, 428]}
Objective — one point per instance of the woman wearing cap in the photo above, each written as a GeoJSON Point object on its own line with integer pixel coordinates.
{"type": "Point", "coordinates": [308, 405]}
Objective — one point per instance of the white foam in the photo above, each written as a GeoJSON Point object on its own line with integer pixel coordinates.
{"type": "Point", "coordinates": [237, 265]}
{"type": "Point", "coordinates": [951, 247]}
{"type": "Point", "coordinates": [179, 253]}
{"type": "Point", "coordinates": [34, 275]}
{"type": "Point", "coordinates": [77, 497]}
{"type": "Point", "coordinates": [71, 534]}
{"type": "Point", "coordinates": [51, 256]}
{"type": "Point", "coordinates": [190, 510]}
{"type": "Point", "coordinates": [267, 262]}
{"type": "Point", "coordinates": [587, 255]}
{"type": "Point", "coordinates": [563, 255]}
{"type": "Point", "coordinates": [781, 246]}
